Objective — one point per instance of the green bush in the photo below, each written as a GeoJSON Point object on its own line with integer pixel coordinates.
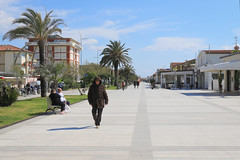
{"type": "Point", "coordinates": [8, 94]}
{"type": "Point", "coordinates": [87, 79]}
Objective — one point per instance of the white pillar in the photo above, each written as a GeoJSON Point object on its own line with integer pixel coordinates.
{"type": "Point", "coordinates": [175, 80]}
{"type": "Point", "coordinates": [185, 80]}
{"type": "Point", "coordinates": [225, 81]}
{"type": "Point", "coordinates": [161, 79]}
{"type": "Point", "coordinates": [210, 87]}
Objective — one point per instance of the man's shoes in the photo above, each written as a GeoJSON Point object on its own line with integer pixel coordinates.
{"type": "Point", "coordinates": [97, 127]}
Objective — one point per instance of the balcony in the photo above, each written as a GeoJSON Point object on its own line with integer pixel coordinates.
{"type": "Point", "coordinates": [55, 44]}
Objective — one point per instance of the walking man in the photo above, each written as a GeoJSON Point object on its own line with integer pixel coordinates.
{"type": "Point", "coordinates": [97, 98]}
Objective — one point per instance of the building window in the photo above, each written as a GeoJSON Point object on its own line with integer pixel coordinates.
{"type": "Point", "coordinates": [63, 49]}
{"type": "Point", "coordinates": [36, 49]}
{"type": "Point", "coordinates": [60, 56]}
{"type": "Point", "coordinates": [63, 56]}
{"type": "Point", "coordinates": [60, 40]}
{"type": "Point", "coordinates": [36, 56]}
{"type": "Point", "coordinates": [71, 56]}
{"type": "Point", "coordinates": [57, 55]}
{"type": "Point", "coordinates": [57, 49]}
{"type": "Point", "coordinates": [71, 49]}
{"type": "Point", "coordinates": [60, 49]}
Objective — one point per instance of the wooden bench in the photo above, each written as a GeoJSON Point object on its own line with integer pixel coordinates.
{"type": "Point", "coordinates": [50, 106]}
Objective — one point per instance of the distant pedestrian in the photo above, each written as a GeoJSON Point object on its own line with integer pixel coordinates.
{"type": "Point", "coordinates": [134, 84]}
{"type": "Point", "coordinates": [138, 82]}
{"type": "Point", "coordinates": [97, 98]}
{"type": "Point", "coordinates": [123, 85]}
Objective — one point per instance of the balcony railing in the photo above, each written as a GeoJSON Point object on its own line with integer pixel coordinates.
{"type": "Point", "coordinates": [55, 44]}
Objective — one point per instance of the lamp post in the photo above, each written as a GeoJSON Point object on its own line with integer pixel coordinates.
{"type": "Point", "coordinates": [81, 50]}
{"type": "Point", "coordinates": [97, 54]}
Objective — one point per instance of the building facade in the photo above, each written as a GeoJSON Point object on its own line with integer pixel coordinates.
{"type": "Point", "coordinates": [8, 54]}
{"type": "Point", "coordinates": [58, 49]}
{"type": "Point", "coordinates": [229, 69]}
{"type": "Point", "coordinates": [180, 76]}
{"type": "Point", "coordinates": [208, 80]}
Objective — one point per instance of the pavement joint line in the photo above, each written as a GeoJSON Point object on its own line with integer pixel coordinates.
{"type": "Point", "coordinates": [120, 148]}
{"type": "Point", "coordinates": [141, 142]}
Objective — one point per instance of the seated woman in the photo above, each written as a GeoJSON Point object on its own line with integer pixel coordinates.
{"type": "Point", "coordinates": [56, 100]}
{"type": "Point", "coordinates": [63, 99]}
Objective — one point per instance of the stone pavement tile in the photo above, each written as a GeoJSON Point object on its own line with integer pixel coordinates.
{"type": "Point", "coordinates": [171, 155]}
{"type": "Point", "coordinates": [138, 124]}
{"type": "Point", "coordinates": [183, 109]}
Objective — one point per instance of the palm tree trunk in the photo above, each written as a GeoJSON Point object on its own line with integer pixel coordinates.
{"type": "Point", "coordinates": [42, 64]}
{"type": "Point", "coordinates": [116, 74]}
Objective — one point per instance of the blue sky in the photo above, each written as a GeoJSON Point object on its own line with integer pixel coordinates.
{"type": "Point", "coordinates": [157, 31]}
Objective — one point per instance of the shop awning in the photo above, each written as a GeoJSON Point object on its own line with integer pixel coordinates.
{"type": "Point", "coordinates": [231, 65]}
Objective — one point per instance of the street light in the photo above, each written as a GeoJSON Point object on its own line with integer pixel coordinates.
{"type": "Point", "coordinates": [81, 44]}
{"type": "Point", "coordinates": [97, 53]}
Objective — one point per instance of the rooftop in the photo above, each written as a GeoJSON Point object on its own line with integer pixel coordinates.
{"type": "Point", "coordinates": [218, 51]}
{"type": "Point", "coordinates": [11, 48]}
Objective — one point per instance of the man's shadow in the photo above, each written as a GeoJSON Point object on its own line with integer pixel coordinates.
{"type": "Point", "coordinates": [71, 128]}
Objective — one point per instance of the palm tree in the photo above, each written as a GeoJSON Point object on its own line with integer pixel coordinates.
{"type": "Point", "coordinates": [31, 24]}
{"type": "Point", "coordinates": [128, 70]}
{"type": "Point", "coordinates": [54, 72]}
{"type": "Point", "coordinates": [115, 55]}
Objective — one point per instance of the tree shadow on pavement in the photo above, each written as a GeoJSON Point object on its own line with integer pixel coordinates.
{"type": "Point", "coordinates": [71, 128]}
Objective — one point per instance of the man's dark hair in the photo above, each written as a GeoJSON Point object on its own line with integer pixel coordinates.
{"type": "Point", "coordinates": [53, 90]}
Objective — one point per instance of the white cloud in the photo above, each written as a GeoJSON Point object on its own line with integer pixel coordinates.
{"type": "Point", "coordinates": [109, 30]}
{"type": "Point", "coordinates": [228, 47]}
{"type": "Point", "coordinates": [119, 12]}
{"type": "Point", "coordinates": [63, 13]}
{"type": "Point", "coordinates": [108, 23]}
{"type": "Point", "coordinates": [5, 21]}
{"type": "Point", "coordinates": [7, 13]}
{"type": "Point", "coordinates": [176, 44]}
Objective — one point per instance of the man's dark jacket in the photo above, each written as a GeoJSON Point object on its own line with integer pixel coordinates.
{"type": "Point", "coordinates": [55, 98]}
{"type": "Point", "coordinates": [97, 95]}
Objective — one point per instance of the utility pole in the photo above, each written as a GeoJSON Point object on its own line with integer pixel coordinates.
{"type": "Point", "coordinates": [236, 38]}
{"type": "Point", "coordinates": [81, 50]}
{"type": "Point", "coordinates": [98, 54]}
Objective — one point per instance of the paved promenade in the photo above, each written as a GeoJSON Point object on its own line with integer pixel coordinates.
{"type": "Point", "coordinates": [138, 124]}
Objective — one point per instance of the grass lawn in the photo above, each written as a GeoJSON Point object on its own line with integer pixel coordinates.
{"type": "Point", "coordinates": [24, 109]}
{"type": "Point", "coordinates": [111, 88]}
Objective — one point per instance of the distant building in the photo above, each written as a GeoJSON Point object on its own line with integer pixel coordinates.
{"type": "Point", "coordinates": [229, 66]}
{"type": "Point", "coordinates": [180, 76]}
{"type": "Point", "coordinates": [158, 74]}
{"type": "Point", "coordinates": [58, 49]}
{"type": "Point", "coordinates": [208, 80]}
{"type": "Point", "coordinates": [8, 54]}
